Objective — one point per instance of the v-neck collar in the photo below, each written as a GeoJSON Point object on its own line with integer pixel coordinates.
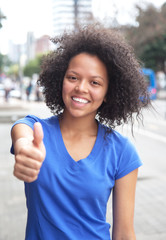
{"type": "Point", "coordinates": [85, 161]}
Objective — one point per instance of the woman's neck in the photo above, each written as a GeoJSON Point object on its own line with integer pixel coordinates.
{"type": "Point", "coordinates": [78, 125]}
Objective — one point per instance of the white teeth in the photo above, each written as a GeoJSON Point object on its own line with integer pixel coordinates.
{"type": "Point", "coordinates": [80, 100]}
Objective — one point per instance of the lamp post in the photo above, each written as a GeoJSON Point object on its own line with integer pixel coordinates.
{"type": "Point", "coordinates": [75, 15]}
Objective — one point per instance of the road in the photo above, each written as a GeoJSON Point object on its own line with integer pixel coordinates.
{"type": "Point", "coordinates": [150, 210]}
{"type": "Point", "coordinates": [150, 141]}
{"type": "Point", "coordinates": [151, 191]}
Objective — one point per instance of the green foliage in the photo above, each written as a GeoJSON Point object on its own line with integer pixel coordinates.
{"type": "Point", "coordinates": [154, 53]}
{"type": "Point", "coordinates": [33, 66]}
{"type": "Point", "coordinates": [2, 16]}
{"type": "Point", "coordinates": [4, 62]}
{"type": "Point", "coordinates": [14, 71]}
{"type": "Point", "coordinates": [149, 37]}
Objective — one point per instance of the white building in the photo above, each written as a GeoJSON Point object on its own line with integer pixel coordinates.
{"type": "Point", "coordinates": [30, 46]}
{"type": "Point", "coordinates": [67, 14]}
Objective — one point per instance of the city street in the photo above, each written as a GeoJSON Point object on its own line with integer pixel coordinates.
{"type": "Point", "coordinates": [150, 141]}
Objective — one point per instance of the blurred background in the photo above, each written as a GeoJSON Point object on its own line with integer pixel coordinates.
{"type": "Point", "coordinates": [27, 26]}
{"type": "Point", "coordinates": [25, 31]}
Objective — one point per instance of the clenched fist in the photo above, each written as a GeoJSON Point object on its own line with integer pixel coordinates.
{"type": "Point", "coordinates": [29, 154]}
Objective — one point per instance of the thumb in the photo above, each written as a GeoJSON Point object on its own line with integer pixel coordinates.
{"type": "Point", "coordinates": [38, 134]}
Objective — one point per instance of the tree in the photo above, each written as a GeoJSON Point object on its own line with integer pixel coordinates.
{"type": "Point", "coordinates": [149, 37]}
{"type": "Point", "coordinates": [4, 62]}
{"type": "Point", "coordinates": [2, 16]}
{"type": "Point", "coordinates": [154, 53]}
{"type": "Point", "coordinates": [33, 66]}
{"type": "Point", "coordinates": [14, 71]}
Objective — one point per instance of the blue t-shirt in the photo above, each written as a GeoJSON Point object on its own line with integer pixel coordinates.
{"type": "Point", "coordinates": [68, 200]}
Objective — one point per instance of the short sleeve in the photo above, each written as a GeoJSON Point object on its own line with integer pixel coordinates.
{"type": "Point", "coordinates": [128, 161]}
{"type": "Point", "coordinates": [28, 120]}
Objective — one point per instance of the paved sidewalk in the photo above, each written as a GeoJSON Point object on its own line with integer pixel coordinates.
{"type": "Point", "coordinates": [150, 210]}
{"type": "Point", "coordinates": [16, 109]}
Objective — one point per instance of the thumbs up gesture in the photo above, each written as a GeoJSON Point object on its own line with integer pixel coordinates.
{"type": "Point", "coordinates": [29, 151]}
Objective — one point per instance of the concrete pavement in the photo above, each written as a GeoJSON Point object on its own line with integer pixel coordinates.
{"type": "Point", "coordinates": [15, 109]}
{"type": "Point", "coordinates": [150, 210]}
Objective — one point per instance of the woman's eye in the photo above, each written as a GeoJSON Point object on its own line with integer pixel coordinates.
{"type": "Point", "coordinates": [72, 77]}
{"type": "Point", "coordinates": [95, 83]}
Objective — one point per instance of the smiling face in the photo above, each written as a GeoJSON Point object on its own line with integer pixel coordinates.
{"type": "Point", "coordinates": [84, 86]}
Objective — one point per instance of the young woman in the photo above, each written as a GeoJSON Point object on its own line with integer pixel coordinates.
{"type": "Point", "coordinates": [92, 83]}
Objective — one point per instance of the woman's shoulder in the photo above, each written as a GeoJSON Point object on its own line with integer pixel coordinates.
{"type": "Point", "coordinates": [122, 150]}
{"type": "Point", "coordinates": [35, 118]}
{"type": "Point", "coordinates": [113, 136]}
{"type": "Point", "coordinates": [120, 143]}
{"type": "Point", "coordinates": [115, 139]}
{"type": "Point", "coordinates": [31, 119]}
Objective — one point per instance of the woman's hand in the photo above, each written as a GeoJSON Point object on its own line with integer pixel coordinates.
{"type": "Point", "coordinates": [29, 152]}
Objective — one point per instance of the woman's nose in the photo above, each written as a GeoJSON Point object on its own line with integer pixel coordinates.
{"type": "Point", "coordinates": [82, 86]}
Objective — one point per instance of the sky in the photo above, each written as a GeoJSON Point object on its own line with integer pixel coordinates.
{"type": "Point", "coordinates": [36, 16]}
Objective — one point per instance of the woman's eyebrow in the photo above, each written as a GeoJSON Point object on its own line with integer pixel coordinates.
{"type": "Point", "coordinates": [98, 77]}
{"type": "Point", "coordinates": [71, 71]}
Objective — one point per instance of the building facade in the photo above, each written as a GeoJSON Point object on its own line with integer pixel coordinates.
{"type": "Point", "coordinates": [42, 45]}
{"type": "Point", "coordinates": [68, 14]}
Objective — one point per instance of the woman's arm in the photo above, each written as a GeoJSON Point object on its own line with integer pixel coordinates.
{"type": "Point", "coordinates": [123, 207]}
{"type": "Point", "coordinates": [29, 151]}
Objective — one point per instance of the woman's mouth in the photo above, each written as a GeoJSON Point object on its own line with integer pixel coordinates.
{"type": "Point", "coordinates": [80, 100]}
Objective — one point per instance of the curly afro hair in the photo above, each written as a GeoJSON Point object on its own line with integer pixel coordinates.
{"type": "Point", "coordinates": [127, 91]}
